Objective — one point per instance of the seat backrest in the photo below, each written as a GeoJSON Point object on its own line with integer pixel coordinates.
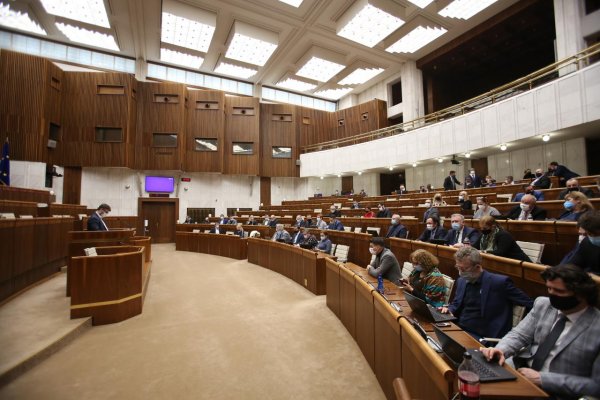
{"type": "Point", "coordinates": [338, 205]}
{"type": "Point", "coordinates": [7, 216]}
{"type": "Point", "coordinates": [533, 250]}
{"type": "Point", "coordinates": [518, 312]}
{"type": "Point", "coordinates": [449, 282]}
{"type": "Point", "coordinates": [90, 252]}
{"type": "Point", "coordinates": [348, 228]}
{"type": "Point", "coordinates": [341, 252]}
{"type": "Point", "coordinates": [26, 216]}
{"type": "Point", "coordinates": [374, 228]}
{"type": "Point", "coordinates": [407, 269]}
{"type": "Point", "coordinates": [358, 229]}
{"type": "Point", "coordinates": [333, 247]}
{"type": "Point", "coordinates": [401, 390]}
{"type": "Point", "coordinates": [230, 233]}
{"type": "Point", "coordinates": [195, 230]}
{"type": "Point", "coordinates": [317, 210]}
{"type": "Point", "coordinates": [245, 234]}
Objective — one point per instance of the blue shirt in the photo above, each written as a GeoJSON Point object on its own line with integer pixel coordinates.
{"type": "Point", "coordinates": [325, 245]}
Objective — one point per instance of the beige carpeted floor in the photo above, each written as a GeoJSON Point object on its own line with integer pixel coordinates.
{"type": "Point", "coordinates": [212, 328]}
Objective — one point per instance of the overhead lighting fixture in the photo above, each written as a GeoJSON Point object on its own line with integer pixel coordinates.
{"type": "Point", "coordinates": [467, 155]}
{"type": "Point", "coordinates": [360, 76]}
{"type": "Point", "coordinates": [251, 45]}
{"type": "Point", "coordinates": [415, 39]}
{"type": "Point", "coordinates": [235, 70]}
{"type": "Point", "coordinates": [19, 20]}
{"type": "Point", "coordinates": [359, 172]}
{"type": "Point", "coordinates": [91, 38]}
{"type": "Point", "coordinates": [187, 26]}
{"type": "Point", "coordinates": [465, 9]}
{"type": "Point", "coordinates": [339, 175]}
{"type": "Point", "coordinates": [334, 94]}
{"type": "Point", "coordinates": [414, 164]}
{"type": "Point", "coordinates": [503, 147]}
{"type": "Point", "coordinates": [321, 177]}
{"type": "Point", "coordinates": [546, 137]}
{"type": "Point", "coordinates": [89, 11]}
{"type": "Point", "coordinates": [366, 24]}
{"type": "Point", "coordinates": [295, 84]}
{"type": "Point", "coordinates": [421, 3]}
{"type": "Point", "coordinates": [440, 160]}
{"type": "Point", "coordinates": [294, 3]}
{"type": "Point", "coordinates": [391, 168]}
{"type": "Point", "coordinates": [320, 69]}
{"type": "Point", "coordinates": [175, 57]}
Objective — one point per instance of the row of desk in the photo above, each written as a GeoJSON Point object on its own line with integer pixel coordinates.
{"type": "Point", "coordinates": [230, 246]}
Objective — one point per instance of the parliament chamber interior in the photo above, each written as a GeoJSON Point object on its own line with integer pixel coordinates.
{"type": "Point", "coordinates": [317, 199]}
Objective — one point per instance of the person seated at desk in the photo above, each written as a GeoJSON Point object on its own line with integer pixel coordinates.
{"type": "Point", "coordinates": [483, 302]}
{"type": "Point", "coordinates": [355, 205]}
{"type": "Point", "coordinates": [563, 173]}
{"type": "Point", "coordinates": [509, 180]}
{"type": "Point", "coordinates": [483, 209]}
{"type": "Point", "coordinates": [266, 220]}
{"type": "Point", "coordinates": [239, 230]}
{"type": "Point", "coordinates": [384, 263]}
{"type": "Point", "coordinates": [368, 213]}
{"type": "Point", "coordinates": [527, 174]}
{"type": "Point", "coordinates": [232, 221]}
{"type": "Point", "coordinates": [433, 230]}
{"type": "Point", "coordinates": [363, 193]}
{"type": "Point", "coordinates": [188, 220]}
{"type": "Point", "coordinates": [573, 186]}
{"type": "Point", "coordinates": [538, 194]}
{"type": "Point", "coordinates": [495, 240]}
{"type": "Point", "coordinates": [334, 212]}
{"type": "Point", "coordinates": [489, 181]}
{"type": "Point", "coordinates": [562, 333]}
{"type": "Point", "coordinates": [281, 235]}
{"type": "Point", "coordinates": [383, 211]}
{"type": "Point", "coordinates": [251, 221]}
{"type": "Point", "coordinates": [576, 204]}
{"type": "Point", "coordinates": [586, 254]}
{"type": "Point", "coordinates": [298, 236]}
{"type": "Point", "coordinates": [207, 220]}
{"type": "Point", "coordinates": [320, 223]}
{"type": "Point", "coordinates": [541, 180]}
{"type": "Point", "coordinates": [96, 220]}
{"type": "Point", "coordinates": [429, 210]}
{"type": "Point", "coordinates": [527, 210]}
{"type": "Point", "coordinates": [401, 190]}
{"type": "Point", "coordinates": [460, 234]}
{"type": "Point", "coordinates": [223, 220]}
{"type": "Point", "coordinates": [426, 281]}
{"type": "Point", "coordinates": [464, 202]}
{"type": "Point", "coordinates": [335, 224]}
{"type": "Point", "coordinates": [308, 221]}
{"type": "Point", "coordinates": [273, 221]}
{"type": "Point", "coordinates": [324, 245]}
{"type": "Point", "coordinates": [216, 229]}
{"type": "Point", "coordinates": [300, 221]}
{"type": "Point", "coordinates": [396, 229]}
{"type": "Point", "coordinates": [336, 193]}
{"type": "Point", "coordinates": [310, 241]}
{"type": "Point", "coordinates": [438, 200]}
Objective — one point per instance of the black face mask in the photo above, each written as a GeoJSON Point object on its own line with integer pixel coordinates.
{"type": "Point", "coordinates": [573, 189]}
{"type": "Point", "coordinates": [563, 303]}
{"type": "Point", "coordinates": [538, 174]}
{"type": "Point", "coordinates": [486, 231]}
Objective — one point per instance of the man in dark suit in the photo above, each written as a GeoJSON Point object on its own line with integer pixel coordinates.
{"type": "Point", "coordinates": [573, 186]}
{"type": "Point", "coordinates": [538, 194]}
{"type": "Point", "coordinates": [402, 190]}
{"type": "Point", "coordinates": [300, 223]}
{"type": "Point", "coordinates": [586, 254]}
{"type": "Point", "coordinates": [297, 236]}
{"type": "Point", "coordinates": [383, 212]}
{"type": "Point", "coordinates": [563, 173]}
{"type": "Point", "coordinates": [396, 229]}
{"type": "Point", "coordinates": [334, 212]}
{"type": "Point", "coordinates": [450, 182]}
{"type": "Point", "coordinates": [483, 302]}
{"type": "Point", "coordinates": [96, 222]}
{"type": "Point", "coordinates": [541, 180]}
{"type": "Point", "coordinates": [474, 179]}
{"type": "Point", "coordinates": [527, 210]}
{"type": "Point", "coordinates": [216, 229]}
{"type": "Point", "coordinates": [273, 221]}
{"type": "Point", "coordinates": [433, 229]}
{"type": "Point", "coordinates": [459, 232]}
{"type": "Point", "coordinates": [335, 224]}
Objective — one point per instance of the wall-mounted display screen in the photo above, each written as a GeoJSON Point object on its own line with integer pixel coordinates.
{"type": "Point", "coordinates": [160, 184]}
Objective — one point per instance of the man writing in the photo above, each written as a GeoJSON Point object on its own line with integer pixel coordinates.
{"type": "Point", "coordinates": [96, 221]}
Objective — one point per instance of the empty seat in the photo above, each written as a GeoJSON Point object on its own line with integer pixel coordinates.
{"type": "Point", "coordinates": [341, 252]}
{"type": "Point", "coordinates": [374, 229]}
{"type": "Point", "coordinates": [533, 250]}
{"type": "Point", "coordinates": [229, 233]}
{"type": "Point", "coordinates": [518, 312]}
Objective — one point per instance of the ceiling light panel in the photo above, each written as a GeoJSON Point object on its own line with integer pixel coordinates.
{"type": "Point", "coordinates": [360, 76]}
{"type": "Point", "coordinates": [91, 38]}
{"type": "Point", "coordinates": [89, 11]}
{"type": "Point", "coordinates": [465, 9]}
{"type": "Point", "coordinates": [187, 26]}
{"type": "Point", "coordinates": [251, 45]}
{"type": "Point", "coordinates": [235, 70]}
{"type": "Point", "coordinates": [295, 3]}
{"type": "Point", "coordinates": [334, 94]}
{"type": "Point", "coordinates": [184, 59]}
{"type": "Point", "coordinates": [415, 39]}
{"type": "Point", "coordinates": [421, 3]}
{"type": "Point", "coordinates": [319, 69]}
{"type": "Point", "coordinates": [297, 85]}
{"type": "Point", "coordinates": [19, 20]}
{"type": "Point", "coordinates": [369, 25]}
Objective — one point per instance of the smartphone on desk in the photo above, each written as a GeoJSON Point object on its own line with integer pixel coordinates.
{"type": "Point", "coordinates": [442, 324]}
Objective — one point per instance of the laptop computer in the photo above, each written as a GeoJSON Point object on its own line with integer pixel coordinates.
{"type": "Point", "coordinates": [373, 232]}
{"type": "Point", "coordinates": [430, 341]}
{"type": "Point", "coordinates": [488, 371]}
{"type": "Point", "coordinates": [425, 310]}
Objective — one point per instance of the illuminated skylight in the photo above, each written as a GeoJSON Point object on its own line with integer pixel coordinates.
{"type": "Point", "coordinates": [415, 39]}
{"type": "Point", "coordinates": [250, 50]}
{"type": "Point", "coordinates": [319, 69]}
{"type": "Point", "coordinates": [18, 20]}
{"type": "Point", "coordinates": [421, 3]}
{"type": "Point", "coordinates": [91, 38]}
{"type": "Point", "coordinates": [360, 76]}
{"type": "Point", "coordinates": [465, 9]}
{"type": "Point", "coordinates": [88, 11]}
{"type": "Point", "coordinates": [206, 144]}
{"type": "Point", "coordinates": [185, 32]}
{"type": "Point", "coordinates": [235, 70]}
{"type": "Point", "coordinates": [334, 94]}
{"type": "Point", "coordinates": [175, 57]}
{"type": "Point", "coordinates": [370, 26]}
{"type": "Point", "coordinates": [295, 3]}
{"type": "Point", "coordinates": [294, 84]}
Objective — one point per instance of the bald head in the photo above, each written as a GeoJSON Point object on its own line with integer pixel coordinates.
{"type": "Point", "coordinates": [528, 199]}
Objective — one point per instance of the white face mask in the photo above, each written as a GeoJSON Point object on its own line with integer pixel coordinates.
{"type": "Point", "coordinates": [461, 197]}
{"type": "Point", "coordinates": [480, 206]}
{"type": "Point", "coordinates": [524, 207]}
{"type": "Point", "coordinates": [318, 219]}
{"type": "Point", "coordinates": [372, 250]}
{"type": "Point", "coordinates": [430, 226]}
{"type": "Point", "coordinates": [581, 237]}
{"type": "Point", "coordinates": [428, 205]}
{"type": "Point", "coordinates": [322, 237]}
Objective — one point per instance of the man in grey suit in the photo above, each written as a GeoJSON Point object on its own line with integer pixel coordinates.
{"type": "Point", "coordinates": [563, 332]}
{"type": "Point", "coordinates": [385, 262]}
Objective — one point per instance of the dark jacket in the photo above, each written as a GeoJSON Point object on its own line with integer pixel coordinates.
{"type": "Point", "coordinates": [438, 233]}
{"type": "Point", "coordinates": [475, 181]}
{"type": "Point", "coordinates": [468, 232]}
{"type": "Point", "coordinates": [505, 245]}
{"type": "Point", "coordinates": [537, 214]}
{"type": "Point", "coordinates": [543, 182]}
{"type": "Point", "coordinates": [386, 213]}
{"type": "Point", "coordinates": [539, 196]}
{"type": "Point", "coordinates": [221, 230]}
{"type": "Point", "coordinates": [398, 231]}
{"type": "Point", "coordinates": [448, 183]}
{"type": "Point", "coordinates": [94, 223]}
{"type": "Point", "coordinates": [586, 256]}
{"type": "Point", "coordinates": [297, 238]}
{"type": "Point", "coordinates": [588, 193]}
{"type": "Point", "coordinates": [564, 173]}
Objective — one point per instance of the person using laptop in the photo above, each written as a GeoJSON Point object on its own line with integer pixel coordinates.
{"type": "Point", "coordinates": [426, 281]}
{"type": "Point", "coordinates": [483, 302]}
{"type": "Point", "coordinates": [563, 331]}
{"type": "Point", "coordinates": [384, 263]}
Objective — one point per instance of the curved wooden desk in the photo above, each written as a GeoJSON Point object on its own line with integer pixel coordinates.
{"type": "Point", "coordinates": [219, 245]}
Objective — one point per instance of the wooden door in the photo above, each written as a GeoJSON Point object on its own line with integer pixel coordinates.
{"type": "Point", "coordinates": [161, 215]}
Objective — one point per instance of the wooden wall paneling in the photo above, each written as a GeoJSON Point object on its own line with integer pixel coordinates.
{"type": "Point", "coordinates": [353, 121]}
{"type": "Point", "coordinates": [372, 115]}
{"type": "Point", "coordinates": [382, 117]}
{"type": "Point", "coordinates": [131, 132]}
{"type": "Point", "coordinates": [278, 128]}
{"type": "Point", "coordinates": [72, 185]}
{"type": "Point", "coordinates": [340, 122]}
{"type": "Point", "coordinates": [242, 117]}
{"type": "Point", "coordinates": [316, 126]}
{"type": "Point", "coordinates": [52, 105]}
{"type": "Point", "coordinates": [205, 119]}
{"type": "Point", "coordinates": [265, 190]}
{"type": "Point", "coordinates": [7, 238]}
{"type": "Point", "coordinates": [24, 253]}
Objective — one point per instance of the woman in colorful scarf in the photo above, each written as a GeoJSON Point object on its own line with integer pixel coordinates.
{"type": "Point", "coordinates": [426, 281]}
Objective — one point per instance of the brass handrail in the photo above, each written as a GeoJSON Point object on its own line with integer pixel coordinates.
{"type": "Point", "coordinates": [510, 89]}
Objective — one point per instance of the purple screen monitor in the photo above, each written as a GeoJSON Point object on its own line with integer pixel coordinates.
{"type": "Point", "coordinates": [160, 184]}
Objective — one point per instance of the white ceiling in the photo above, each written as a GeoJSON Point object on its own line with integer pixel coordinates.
{"type": "Point", "coordinates": [136, 25]}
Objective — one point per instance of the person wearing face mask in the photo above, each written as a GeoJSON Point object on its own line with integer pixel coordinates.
{"type": "Point", "coordinates": [384, 212]}
{"type": "Point", "coordinates": [96, 221]}
{"type": "Point", "coordinates": [324, 244]}
{"type": "Point", "coordinates": [430, 210]}
{"type": "Point", "coordinates": [474, 180]}
{"type": "Point", "coordinates": [402, 190]}
{"type": "Point", "coordinates": [396, 229]}
{"type": "Point", "coordinates": [483, 301]}
{"type": "Point", "coordinates": [216, 229]}
{"type": "Point", "coordinates": [576, 204]}
{"type": "Point", "coordinates": [460, 232]}
{"type": "Point", "coordinates": [355, 205]}
{"type": "Point", "coordinates": [495, 240]}
{"type": "Point", "coordinates": [368, 213]}
{"type": "Point", "coordinates": [541, 180]}
{"type": "Point", "coordinates": [464, 202]}
{"type": "Point", "coordinates": [335, 225]}
{"type": "Point", "coordinates": [223, 220]}
{"type": "Point", "coordinates": [526, 210]}
{"type": "Point", "coordinates": [450, 181]}
{"type": "Point", "coordinates": [438, 200]}
{"type": "Point", "coordinates": [586, 254]}
{"type": "Point", "coordinates": [273, 221]}
{"type": "Point", "coordinates": [483, 209]}
{"type": "Point", "coordinates": [334, 212]}
{"type": "Point", "coordinates": [310, 241]}
{"type": "Point", "coordinates": [426, 281]}
{"type": "Point", "coordinates": [298, 236]}
{"type": "Point", "coordinates": [384, 262]}
{"type": "Point", "coordinates": [320, 223]}
{"type": "Point", "coordinates": [573, 186]}
{"type": "Point", "coordinates": [433, 230]}
{"type": "Point", "coordinates": [528, 189]}
{"type": "Point", "coordinates": [527, 174]}
{"type": "Point", "coordinates": [562, 335]}
{"type": "Point", "coordinates": [300, 223]}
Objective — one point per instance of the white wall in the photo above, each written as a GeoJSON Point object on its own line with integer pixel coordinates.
{"type": "Point", "coordinates": [32, 175]}
{"type": "Point", "coordinates": [433, 174]}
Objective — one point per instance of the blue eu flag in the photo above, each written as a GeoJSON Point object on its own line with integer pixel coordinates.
{"type": "Point", "coordinates": [5, 165]}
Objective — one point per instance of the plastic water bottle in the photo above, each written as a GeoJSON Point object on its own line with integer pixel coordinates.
{"type": "Point", "coordinates": [380, 284]}
{"type": "Point", "coordinates": [468, 379]}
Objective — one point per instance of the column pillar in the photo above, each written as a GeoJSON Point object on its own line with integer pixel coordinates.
{"type": "Point", "coordinates": [413, 105]}
{"type": "Point", "coordinates": [569, 36]}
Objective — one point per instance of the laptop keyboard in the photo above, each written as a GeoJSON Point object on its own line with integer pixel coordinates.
{"type": "Point", "coordinates": [482, 370]}
{"type": "Point", "coordinates": [438, 316]}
